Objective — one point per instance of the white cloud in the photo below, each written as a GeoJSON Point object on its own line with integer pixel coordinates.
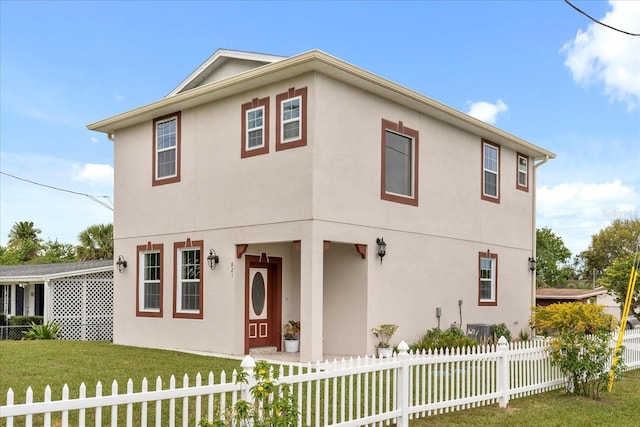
{"type": "Point", "coordinates": [94, 140]}
{"type": "Point", "coordinates": [577, 210]}
{"type": "Point", "coordinates": [486, 111]}
{"type": "Point", "coordinates": [604, 55]}
{"type": "Point", "coordinates": [94, 174]}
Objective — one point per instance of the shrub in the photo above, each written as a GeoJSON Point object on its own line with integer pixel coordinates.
{"type": "Point", "coordinates": [437, 338]}
{"type": "Point", "coordinates": [500, 330]}
{"type": "Point", "coordinates": [25, 320]}
{"type": "Point", "coordinates": [48, 331]}
{"type": "Point", "coordinates": [273, 404]}
{"type": "Point", "coordinates": [580, 344]}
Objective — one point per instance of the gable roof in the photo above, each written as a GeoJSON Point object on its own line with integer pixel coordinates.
{"type": "Point", "coordinates": [313, 61]}
{"type": "Point", "coordinates": [219, 58]}
{"type": "Point", "coordinates": [41, 272]}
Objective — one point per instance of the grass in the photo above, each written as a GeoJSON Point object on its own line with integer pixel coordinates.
{"type": "Point", "coordinates": [38, 363]}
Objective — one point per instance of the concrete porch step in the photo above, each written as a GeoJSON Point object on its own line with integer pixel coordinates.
{"type": "Point", "coordinates": [263, 350]}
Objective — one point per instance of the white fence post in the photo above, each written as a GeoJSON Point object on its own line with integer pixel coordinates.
{"type": "Point", "coordinates": [403, 385]}
{"type": "Point", "coordinates": [247, 365]}
{"type": "Point", "coordinates": [503, 372]}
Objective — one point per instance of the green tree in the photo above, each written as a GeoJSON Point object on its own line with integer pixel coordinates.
{"type": "Point", "coordinates": [54, 251]}
{"type": "Point", "coordinates": [24, 243]}
{"type": "Point", "coordinates": [552, 257]}
{"type": "Point", "coordinates": [96, 242]}
{"type": "Point", "coordinates": [616, 280]}
{"type": "Point", "coordinates": [619, 239]}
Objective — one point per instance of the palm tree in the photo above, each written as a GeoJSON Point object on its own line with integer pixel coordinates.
{"type": "Point", "coordinates": [23, 238]}
{"type": "Point", "coordinates": [96, 242]}
{"type": "Point", "coordinates": [23, 231]}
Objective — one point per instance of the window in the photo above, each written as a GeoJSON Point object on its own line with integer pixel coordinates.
{"type": "Point", "coordinates": [187, 301]}
{"type": "Point", "coordinates": [5, 299]}
{"type": "Point", "coordinates": [149, 283]}
{"type": "Point", "coordinates": [399, 163]}
{"type": "Point", "coordinates": [255, 127]}
{"type": "Point", "coordinates": [291, 112]}
{"type": "Point", "coordinates": [488, 279]}
{"type": "Point", "coordinates": [523, 173]}
{"type": "Point", "coordinates": [166, 149]}
{"type": "Point", "coordinates": [490, 172]}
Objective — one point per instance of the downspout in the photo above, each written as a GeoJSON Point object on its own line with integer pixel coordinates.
{"type": "Point", "coordinates": [533, 231]}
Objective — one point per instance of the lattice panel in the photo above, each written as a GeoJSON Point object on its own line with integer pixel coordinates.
{"type": "Point", "coordinates": [84, 306]}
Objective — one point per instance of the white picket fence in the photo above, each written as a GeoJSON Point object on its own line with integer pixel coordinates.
{"type": "Point", "coordinates": [350, 392]}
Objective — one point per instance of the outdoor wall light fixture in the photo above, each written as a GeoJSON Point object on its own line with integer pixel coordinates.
{"type": "Point", "coordinates": [532, 264]}
{"type": "Point", "coordinates": [213, 259]}
{"type": "Point", "coordinates": [382, 248]}
{"type": "Point", "coordinates": [121, 263]}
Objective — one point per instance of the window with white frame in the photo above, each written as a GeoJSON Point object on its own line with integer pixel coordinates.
{"type": "Point", "coordinates": [166, 143]}
{"type": "Point", "coordinates": [490, 172]}
{"type": "Point", "coordinates": [399, 163]}
{"type": "Point", "coordinates": [149, 282]}
{"type": "Point", "coordinates": [255, 128]}
{"type": "Point", "coordinates": [523, 173]}
{"type": "Point", "coordinates": [188, 283]}
{"type": "Point", "coordinates": [488, 283]}
{"type": "Point", "coordinates": [291, 114]}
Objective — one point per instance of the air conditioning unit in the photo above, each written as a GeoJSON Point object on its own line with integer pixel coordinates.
{"type": "Point", "coordinates": [481, 332]}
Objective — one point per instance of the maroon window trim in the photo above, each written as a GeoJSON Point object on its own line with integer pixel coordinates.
{"type": "Point", "coordinates": [483, 196]}
{"type": "Point", "coordinates": [154, 152]}
{"type": "Point", "coordinates": [399, 128]}
{"type": "Point", "coordinates": [495, 257]}
{"type": "Point", "coordinates": [302, 141]}
{"type": "Point", "coordinates": [146, 248]}
{"type": "Point", "coordinates": [518, 186]}
{"type": "Point", "coordinates": [255, 103]}
{"type": "Point", "coordinates": [189, 244]}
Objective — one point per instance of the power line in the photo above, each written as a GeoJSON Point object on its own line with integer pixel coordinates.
{"type": "Point", "coordinates": [598, 22]}
{"type": "Point", "coordinates": [108, 205]}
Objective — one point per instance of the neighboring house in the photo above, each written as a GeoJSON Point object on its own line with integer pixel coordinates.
{"type": "Point", "coordinates": [290, 170]}
{"type": "Point", "coordinates": [599, 295]}
{"type": "Point", "coordinates": [79, 295]}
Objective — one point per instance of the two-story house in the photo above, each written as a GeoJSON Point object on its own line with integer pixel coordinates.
{"type": "Point", "coordinates": [259, 189]}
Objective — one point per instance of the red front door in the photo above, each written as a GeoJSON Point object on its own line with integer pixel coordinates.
{"type": "Point", "coordinates": [262, 301]}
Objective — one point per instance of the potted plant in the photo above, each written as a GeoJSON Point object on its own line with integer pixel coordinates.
{"type": "Point", "coordinates": [384, 332]}
{"type": "Point", "coordinates": [291, 335]}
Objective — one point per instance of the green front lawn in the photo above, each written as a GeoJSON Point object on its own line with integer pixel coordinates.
{"type": "Point", "coordinates": [54, 363]}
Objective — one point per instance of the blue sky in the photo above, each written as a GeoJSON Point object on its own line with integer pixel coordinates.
{"type": "Point", "coordinates": [539, 70]}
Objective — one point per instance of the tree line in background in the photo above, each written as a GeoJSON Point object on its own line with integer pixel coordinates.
{"type": "Point", "coordinates": [606, 262]}
{"type": "Point", "coordinates": [26, 247]}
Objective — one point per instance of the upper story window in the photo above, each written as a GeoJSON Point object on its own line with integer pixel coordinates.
{"type": "Point", "coordinates": [149, 282]}
{"type": "Point", "coordinates": [490, 172]}
{"type": "Point", "coordinates": [399, 163]}
{"type": "Point", "coordinates": [291, 112]}
{"type": "Point", "coordinates": [187, 301]}
{"type": "Point", "coordinates": [488, 279]}
{"type": "Point", "coordinates": [523, 173]}
{"type": "Point", "coordinates": [255, 127]}
{"type": "Point", "coordinates": [166, 149]}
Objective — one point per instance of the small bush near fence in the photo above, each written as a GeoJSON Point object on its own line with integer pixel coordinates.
{"type": "Point", "coordinates": [580, 344]}
{"type": "Point", "coordinates": [437, 338]}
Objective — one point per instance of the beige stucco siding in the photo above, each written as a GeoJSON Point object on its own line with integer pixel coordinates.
{"type": "Point", "coordinates": [326, 191]}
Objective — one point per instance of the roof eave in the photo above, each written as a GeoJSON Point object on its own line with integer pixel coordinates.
{"type": "Point", "coordinates": [44, 277]}
{"type": "Point", "coordinates": [321, 62]}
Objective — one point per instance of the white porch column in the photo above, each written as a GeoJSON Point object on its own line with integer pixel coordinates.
{"type": "Point", "coordinates": [311, 293]}
{"type": "Point", "coordinates": [47, 301]}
